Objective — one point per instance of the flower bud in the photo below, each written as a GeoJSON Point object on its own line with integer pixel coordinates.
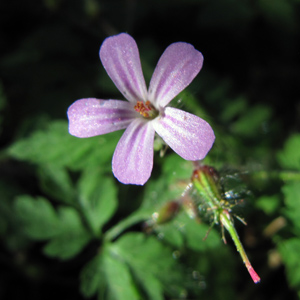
{"type": "Point", "coordinates": [166, 213]}
{"type": "Point", "coordinates": [207, 182]}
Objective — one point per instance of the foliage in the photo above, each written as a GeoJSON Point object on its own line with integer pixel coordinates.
{"type": "Point", "coordinates": [69, 230]}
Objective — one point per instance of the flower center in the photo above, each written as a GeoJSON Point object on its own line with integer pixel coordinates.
{"type": "Point", "coordinates": [146, 109]}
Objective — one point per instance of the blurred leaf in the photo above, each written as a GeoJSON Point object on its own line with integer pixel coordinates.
{"type": "Point", "coordinates": [175, 177]}
{"type": "Point", "coordinates": [151, 262]}
{"type": "Point", "coordinates": [120, 282]}
{"type": "Point", "coordinates": [268, 204]}
{"type": "Point", "coordinates": [234, 110]}
{"type": "Point", "coordinates": [289, 157]}
{"type": "Point", "coordinates": [291, 193]}
{"type": "Point", "coordinates": [289, 251]}
{"type": "Point", "coordinates": [71, 238]}
{"type": "Point", "coordinates": [39, 217]}
{"type": "Point", "coordinates": [157, 193]}
{"type": "Point", "coordinates": [251, 122]}
{"type": "Point", "coordinates": [182, 231]}
{"type": "Point", "coordinates": [11, 233]}
{"type": "Point", "coordinates": [56, 182]}
{"type": "Point", "coordinates": [187, 101]}
{"type": "Point", "coordinates": [176, 169]}
{"type": "Point", "coordinates": [186, 232]}
{"type": "Point", "coordinates": [98, 197]}
{"type": "Point", "coordinates": [64, 227]}
{"type": "Point", "coordinates": [109, 275]}
{"type": "Point", "coordinates": [170, 233]}
{"type": "Point", "coordinates": [195, 233]}
{"type": "Point", "coordinates": [92, 277]}
{"type": "Point", "coordinates": [57, 147]}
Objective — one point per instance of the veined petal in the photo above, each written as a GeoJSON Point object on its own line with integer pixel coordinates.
{"type": "Point", "coordinates": [120, 57]}
{"type": "Point", "coordinates": [175, 70]}
{"type": "Point", "coordinates": [133, 158]}
{"type": "Point", "coordinates": [91, 117]}
{"type": "Point", "coordinates": [188, 135]}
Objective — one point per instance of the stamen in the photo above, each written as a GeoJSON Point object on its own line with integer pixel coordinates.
{"type": "Point", "coordinates": [146, 109]}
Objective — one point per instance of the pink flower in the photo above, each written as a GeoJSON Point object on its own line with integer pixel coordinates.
{"type": "Point", "coordinates": [145, 112]}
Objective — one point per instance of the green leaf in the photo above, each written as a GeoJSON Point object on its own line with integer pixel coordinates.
{"type": "Point", "coordinates": [175, 177]}
{"type": "Point", "coordinates": [289, 157]}
{"type": "Point", "coordinates": [11, 231]}
{"type": "Point", "coordinates": [55, 182]}
{"type": "Point", "coordinates": [291, 193]}
{"type": "Point", "coordinates": [176, 170]}
{"type": "Point", "coordinates": [190, 103]}
{"type": "Point", "coordinates": [269, 204]}
{"type": "Point", "coordinates": [108, 275]}
{"type": "Point", "coordinates": [151, 262]}
{"type": "Point", "coordinates": [39, 217]}
{"type": "Point", "coordinates": [120, 283]}
{"type": "Point", "coordinates": [71, 238]}
{"type": "Point", "coordinates": [98, 197]}
{"type": "Point", "coordinates": [63, 227]}
{"type": "Point", "coordinates": [251, 122]}
{"type": "Point", "coordinates": [186, 232]}
{"type": "Point", "coordinates": [56, 146]}
{"type": "Point", "coordinates": [92, 277]}
{"type": "Point", "coordinates": [289, 251]}
{"type": "Point", "coordinates": [170, 233]}
{"type": "Point", "coordinates": [237, 107]}
{"type": "Point", "coordinates": [195, 234]}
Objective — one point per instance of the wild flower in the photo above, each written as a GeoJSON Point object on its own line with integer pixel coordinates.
{"type": "Point", "coordinates": [146, 111]}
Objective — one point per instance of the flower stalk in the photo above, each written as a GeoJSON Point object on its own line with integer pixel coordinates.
{"type": "Point", "coordinates": [206, 181]}
{"type": "Point", "coordinates": [227, 222]}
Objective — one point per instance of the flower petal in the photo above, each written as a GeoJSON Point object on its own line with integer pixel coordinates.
{"type": "Point", "coordinates": [120, 57]}
{"type": "Point", "coordinates": [90, 117]}
{"type": "Point", "coordinates": [133, 158]}
{"type": "Point", "coordinates": [188, 135]}
{"type": "Point", "coordinates": [175, 70]}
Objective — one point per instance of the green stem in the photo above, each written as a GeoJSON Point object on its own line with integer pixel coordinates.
{"type": "Point", "coordinates": [228, 224]}
{"type": "Point", "coordinates": [115, 231]}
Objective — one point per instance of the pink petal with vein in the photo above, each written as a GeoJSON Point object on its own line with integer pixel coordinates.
{"type": "Point", "coordinates": [91, 117]}
{"type": "Point", "coordinates": [175, 70]}
{"type": "Point", "coordinates": [133, 158]}
{"type": "Point", "coordinates": [120, 57]}
{"type": "Point", "coordinates": [188, 135]}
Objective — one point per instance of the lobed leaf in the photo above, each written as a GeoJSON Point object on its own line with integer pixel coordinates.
{"type": "Point", "coordinates": [38, 215]}
{"type": "Point", "coordinates": [56, 182]}
{"type": "Point", "coordinates": [57, 147]}
{"type": "Point", "coordinates": [92, 277]}
{"type": "Point", "coordinates": [98, 197]}
{"type": "Point", "coordinates": [151, 262]}
{"type": "Point", "coordinates": [120, 282]}
{"type": "Point", "coordinates": [108, 275]}
{"type": "Point", "coordinates": [63, 227]}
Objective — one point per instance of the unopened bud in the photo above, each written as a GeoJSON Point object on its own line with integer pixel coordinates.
{"type": "Point", "coordinates": [207, 182]}
{"type": "Point", "coordinates": [167, 212]}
